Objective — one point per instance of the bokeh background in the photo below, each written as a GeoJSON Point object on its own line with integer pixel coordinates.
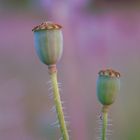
{"type": "Point", "coordinates": [98, 34]}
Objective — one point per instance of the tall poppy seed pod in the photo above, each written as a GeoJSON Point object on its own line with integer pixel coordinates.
{"type": "Point", "coordinates": [49, 47]}
{"type": "Point", "coordinates": [48, 42]}
{"type": "Point", "coordinates": [108, 86]}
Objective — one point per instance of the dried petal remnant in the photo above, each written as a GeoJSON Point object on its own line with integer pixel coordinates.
{"type": "Point", "coordinates": [47, 26]}
{"type": "Point", "coordinates": [109, 72]}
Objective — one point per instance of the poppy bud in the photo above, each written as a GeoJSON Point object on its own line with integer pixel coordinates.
{"type": "Point", "coordinates": [48, 42]}
{"type": "Point", "coordinates": [108, 86]}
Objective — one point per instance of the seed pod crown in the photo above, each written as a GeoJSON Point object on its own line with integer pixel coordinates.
{"type": "Point", "coordinates": [109, 73]}
{"type": "Point", "coordinates": [47, 26]}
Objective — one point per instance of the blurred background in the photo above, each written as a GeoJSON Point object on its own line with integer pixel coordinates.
{"type": "Point", "coordinates": [98, 34]}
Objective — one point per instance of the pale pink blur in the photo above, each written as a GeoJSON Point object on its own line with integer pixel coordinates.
{"type": "Point", "coordinates": [93, 40]}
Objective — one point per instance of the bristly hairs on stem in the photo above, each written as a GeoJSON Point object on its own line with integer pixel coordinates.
{"type": "Point", "coordinates": [58, 103]}
{"type": "Point", "coordinates": [53, 109]}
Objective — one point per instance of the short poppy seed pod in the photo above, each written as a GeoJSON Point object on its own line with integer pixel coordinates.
{"type": "Point", "coordinates": [48, 42]}
{"type": "Point", "coordinates": [108, 86]}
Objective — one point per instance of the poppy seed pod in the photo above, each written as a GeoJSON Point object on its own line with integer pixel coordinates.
{"type": "Point", "coordinates": [108, 86]}
{"type": "Point", "coordinates": [48, 42]}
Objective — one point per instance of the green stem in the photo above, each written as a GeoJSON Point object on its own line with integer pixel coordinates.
{"type": "Point", "coordinates": [58, 105]}
{"type": "Point", "coordinates": [104, 124]}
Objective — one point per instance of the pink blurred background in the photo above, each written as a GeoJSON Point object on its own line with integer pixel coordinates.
{"type": "Point", "coordinates": [97, 35]}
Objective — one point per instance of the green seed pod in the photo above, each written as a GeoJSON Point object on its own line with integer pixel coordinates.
{"type": "Point", "coordinates": [48, 42]}
{"type": "Point", "coordinates": [108, 86]}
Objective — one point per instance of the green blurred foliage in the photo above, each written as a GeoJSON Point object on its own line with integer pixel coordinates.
{"type": "Point", "coordinates": [15, 3]}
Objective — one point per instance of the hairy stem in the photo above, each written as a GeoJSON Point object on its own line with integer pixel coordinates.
{"type": "Point", "coordinates": [58, 105]}
{"type": "Point", "coordinates": [104, 123]}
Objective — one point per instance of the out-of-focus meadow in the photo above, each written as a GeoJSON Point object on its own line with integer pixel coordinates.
{"type": "Point", "coordinates": [97, 35]}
